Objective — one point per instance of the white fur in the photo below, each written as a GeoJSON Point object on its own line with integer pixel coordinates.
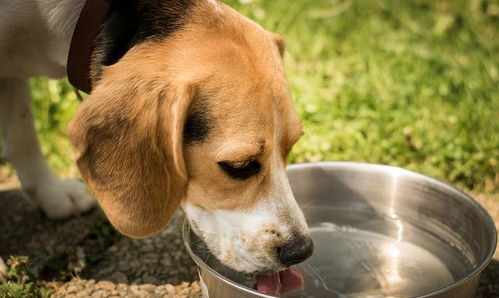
{"type": "Point", "coordinates": [35, 36]}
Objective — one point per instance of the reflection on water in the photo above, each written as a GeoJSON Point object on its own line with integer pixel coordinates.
{"type": "Point", "coordinates": [351, 262]}
{"type": "Point", "coordinates": [381, 256]}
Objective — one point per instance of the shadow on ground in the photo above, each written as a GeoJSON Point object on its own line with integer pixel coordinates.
{"type": "Point", "coordinates": [88, 247]}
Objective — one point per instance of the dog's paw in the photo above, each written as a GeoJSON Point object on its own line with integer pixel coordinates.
{"type": "Point", "coordinates": [63, 198]}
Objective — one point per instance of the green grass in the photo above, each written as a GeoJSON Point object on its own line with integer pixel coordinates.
{"type": "Point", "coordinates": [17, 290]}
{"type": "Point", "coordinates": [406, 83]}
{"type": "Point", "coordinates": [54, 103]}
{"type": "Point", "coordinates": [20, 283]}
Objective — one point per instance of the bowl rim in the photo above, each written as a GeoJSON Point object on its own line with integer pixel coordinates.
{"type": "Point", "coordinates": [349, 165]}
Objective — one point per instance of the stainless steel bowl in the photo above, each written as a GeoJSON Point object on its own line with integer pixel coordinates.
{"type": "Point", "coordinates": [379, 231]}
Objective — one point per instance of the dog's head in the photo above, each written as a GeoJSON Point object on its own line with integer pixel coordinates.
{"type": "Point", "coordinates": [201, 119]}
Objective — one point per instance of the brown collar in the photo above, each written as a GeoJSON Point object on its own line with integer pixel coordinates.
{"type": "Point", "coordinates": [93, 14]}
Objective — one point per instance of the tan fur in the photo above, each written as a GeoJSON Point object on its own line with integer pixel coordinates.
{"type": "Point", "coordinates": [248, 82]}
{"type": "Point", "coordinates": [128, 133]}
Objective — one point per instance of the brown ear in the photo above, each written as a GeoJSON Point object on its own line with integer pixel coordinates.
{"type": "Point", "coordinates": [128, 137]}
{"type": "Point", "coordinates": [279, 42]}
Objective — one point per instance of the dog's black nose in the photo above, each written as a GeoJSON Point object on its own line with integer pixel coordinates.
{"type": "Point", "coordinates": [295, 251]}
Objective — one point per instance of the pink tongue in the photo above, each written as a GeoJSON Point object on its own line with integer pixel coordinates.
{"type": "Point", "coordinates": [279, 283]}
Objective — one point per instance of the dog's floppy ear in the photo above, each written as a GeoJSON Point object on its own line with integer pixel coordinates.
{"type": "Point", "coordinates": [279, 40]}
{"type": "Point", "coordinates": [128, 137]}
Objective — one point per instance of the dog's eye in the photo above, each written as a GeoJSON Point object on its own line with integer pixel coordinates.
{"type": "Point", "coordinates": [240, 169]}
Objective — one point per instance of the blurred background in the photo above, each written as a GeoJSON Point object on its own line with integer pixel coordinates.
{"type": "Point", "coordinates": [406, 83]}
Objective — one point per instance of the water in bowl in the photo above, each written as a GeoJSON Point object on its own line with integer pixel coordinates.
{"type": "Point", "coordinates": [352, 262]}
{"type": "Point", "coordinates": [361, 254]}
{"type": "Point", "coordinates": [366, 255]}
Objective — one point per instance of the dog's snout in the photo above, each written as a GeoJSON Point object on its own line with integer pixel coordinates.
{"type": "Point", "coordinates": [295, 251]}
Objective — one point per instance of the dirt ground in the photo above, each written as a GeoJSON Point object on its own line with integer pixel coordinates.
{"type": "Point", "coordinates": [117, 266]}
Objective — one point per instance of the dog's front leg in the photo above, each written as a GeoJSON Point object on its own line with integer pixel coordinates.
{"type": "Point", "coordinates": [58, 198]}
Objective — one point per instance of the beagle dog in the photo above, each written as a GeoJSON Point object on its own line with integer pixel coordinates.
{"type": "Point", "coordinates": [189, 108]}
